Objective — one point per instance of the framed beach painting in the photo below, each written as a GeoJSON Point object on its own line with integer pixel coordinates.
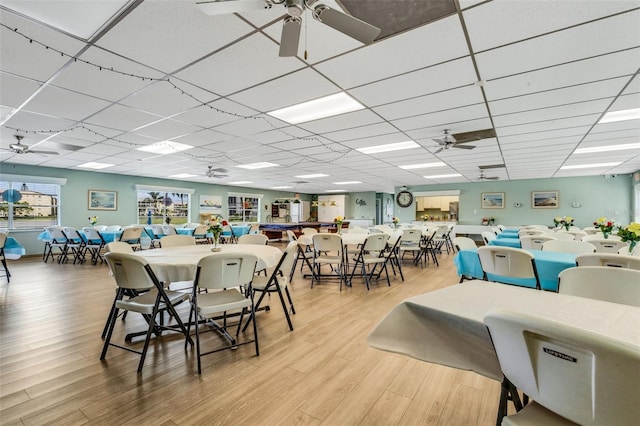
{"type": "Point", "coordinates": [493, 200]}
{"type": "Point", "coordinates": [545, 199]}
{"type": "Point", "coordinates": [103, 200]}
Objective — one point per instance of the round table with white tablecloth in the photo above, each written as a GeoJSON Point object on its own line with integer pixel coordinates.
{"type": "Point", "coordinates": [175, 264]}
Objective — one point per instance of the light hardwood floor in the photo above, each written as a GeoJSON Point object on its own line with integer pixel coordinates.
{"type": "Point", "coordinates": [322, 373]}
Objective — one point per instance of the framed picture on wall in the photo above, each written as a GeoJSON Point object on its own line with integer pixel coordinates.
{"type": "Point", "coordinates": [103, 200]}
{"type": "Point", "coordinates": [493, 200]}
{"type": "Point", "coordinates": [545, 199]}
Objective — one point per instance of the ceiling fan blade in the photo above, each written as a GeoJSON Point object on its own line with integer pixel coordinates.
{"type": "Point", "coordinates": [290, 36]}
{"type": "Point", "coordinates": [440, 141]}
{"type": "Point", "coordinates": [31, 151]}
{"type": "Point", "coordinates": [492, 178]}
{"type": "Point", "coordinates": [440, 149]}
{"type": "Point", "coordinates": [353, 27]}
{"type": "Point", "coordinates": [221, 7]}
{"type": "Point", "coordinates": [463, 146]}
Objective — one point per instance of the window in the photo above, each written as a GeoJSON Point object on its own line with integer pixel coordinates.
{"type": "Point", "coordinates": [29, 204]}
{"type": "Point", "coordinates": [244, 208]}
{"type": "Point", "coordinates": [161, 207]}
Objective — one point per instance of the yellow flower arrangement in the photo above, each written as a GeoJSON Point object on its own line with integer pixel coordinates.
{"type": "Point", "coordinates": [93, 220]}
{"type": "Point", "coordinates": [630, 234]}
{"type": "Point", "coordinates": [604, 225]}
{"type": "Point", "coordinates": [565, 221]}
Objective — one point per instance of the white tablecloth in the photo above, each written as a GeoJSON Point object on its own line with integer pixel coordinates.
{"type": "Point", "coordinates": [179, 263]}
{"type": "Point", "coordinates": [446, 326]}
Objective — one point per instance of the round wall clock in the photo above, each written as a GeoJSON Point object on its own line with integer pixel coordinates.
{"type": "Point", "coordinates": [404, 198]}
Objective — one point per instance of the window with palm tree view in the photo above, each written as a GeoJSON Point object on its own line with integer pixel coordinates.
{"type": "Point", "coordinates": [160, 208]}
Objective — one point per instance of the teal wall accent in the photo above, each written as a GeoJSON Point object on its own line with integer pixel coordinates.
{"type": "Point", "coordinates": [356, 211]}
{"type": "Point", "coordinates": [598, 195]}
{"type": "Point", "coordinates": [74, 205]}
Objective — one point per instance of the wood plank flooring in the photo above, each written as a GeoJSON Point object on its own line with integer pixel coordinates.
{"type": "Point", "coordinates": [322, 373]}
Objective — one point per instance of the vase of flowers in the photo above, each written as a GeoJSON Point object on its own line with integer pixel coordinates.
{"type": "Point", "coordinates": [395, 222]}
{"type": "Point", "coordinates": [93, 220]}
{"type": "Point", "coordinates": [338, 223]}
{"type": "Point", "coordinates": [630, 234]}
{"type": "Point", "coordinates": [605, 226]}
{"type": "Point", "coordinates": [216, 230]}
{"type": "Point", "coordinates": [563, 221]}
{"type": "Point", "coordinates": [425, 218]}
{"type": "Point", "coordinates": [490, 220]}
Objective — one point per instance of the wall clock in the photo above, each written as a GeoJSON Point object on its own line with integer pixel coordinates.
{"type": "Point", "coordinates": [404, 198]}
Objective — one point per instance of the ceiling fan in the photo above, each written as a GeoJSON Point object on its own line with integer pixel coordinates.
{"type": "Point", "coordinates": [483, 177]}
{"type": "Point", "coordinates": [216, 173]}
{"type": "Point", "coordinates": [20, 148]}
{"type": "Point", "coordinates": [292, 23]}
{"type": "Point", "coordinates": [449, 141]}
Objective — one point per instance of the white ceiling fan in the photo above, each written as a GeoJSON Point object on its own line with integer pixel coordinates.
{"type": "Point", "coordinates": [216, 173]}
{"type": "Point", "coordinates": [483, 177]}
{"type": "Point", "coordinates": [449, 141]}
{"type": "Point", "coordinates": [292, 23]}
{"type": "Point", "coordinates": [20, 148]}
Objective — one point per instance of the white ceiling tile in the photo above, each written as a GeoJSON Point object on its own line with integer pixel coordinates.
{"type": "Point", "coordinates": [122, 118]}
{"type": "Point", "coordinates": [15, 90]}
{"type": "Point", "coordinates": [65, 104]}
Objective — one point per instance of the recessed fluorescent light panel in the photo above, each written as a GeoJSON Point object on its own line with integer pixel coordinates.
{"type": "Point", "coordinates": [422, 166]}
{"type": "Point", "coordinates": [335, 190]}
{"type": "Point", "coordinates": [443, 176]}
{"type": "Point", "coordinates": [388, 147]}
{"type": "Point", "coordinates": [350, 182]}
{"type": "Point", "coordinates": [182, 176]}
{"type": "Point", "coordinates": [95, 166]}
{"type": "Point", "coordinates": [607, 148]}
{"type": "Point", "coordinates": [328, 106]}
{"type": "Point", "coordinates": [590, 166]}
{"type": "Point", "coordinates": [165, 147]}
{"type": "Point", "coordinates": [254, 166]}
{"type": "Point", "coordinates": [240, 182]}
{"type": "Point", "coordinates": [315, 175]}
{"type": "Point", "coordinates": [622, 115]}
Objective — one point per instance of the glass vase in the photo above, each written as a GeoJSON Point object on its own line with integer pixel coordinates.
{"type": "Point", "coordinates": [632, 246]}
{"type": "Point", "coordinates": [605, 234]}
{"type": "Point", "coordinates": [339, 228]}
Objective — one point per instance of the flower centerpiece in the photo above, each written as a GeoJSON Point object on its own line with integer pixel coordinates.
{"type": "Point", "coordinates": [93, 220]}
{"type": "Point", "coordinates": [395, 221]}
{"type": "Point", "coordinates": [563, 221]}
{"type": "Point", "coordinates": [490, 220]}
{"type": "Point", "coordinates": [338, 222]}
{"type": "Point", "coordinates": [426, 217]}
{"type": "Point", "coordinates": [215, 229]}
{"type": "Point", "coordinates": [630, 234]}
{"type": "Point", "coordinates": [604, 225]}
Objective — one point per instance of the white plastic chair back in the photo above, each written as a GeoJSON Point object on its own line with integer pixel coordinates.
{"type": "Point", "coordinates": [113, 228]}
{"type": "Point", "coordinates": [609, 259]}
{"type": "Point", "coordinates": [411, 237]}
{"type": "Point", "coordinates": [56, 233]}
{"type": "Point", "coordinates": [256, 239]}
{"type": "Point", "coordinates": [374, 230]}
{"type": "Point", "coordinates": [128, 270]}
{"type": "Point", "coordinates": [526, 232]}
{"type": "Point", "coordinates": [92, 234]}
{"type": "Point", "coordinates": [534, 242]}
{"type": "Point", "coordinates": [100, 228]}
{"type": "Point", "coordinates": [326, 242]}
{"type": "Point", "coordinates": [625, 251]}
{"type": "Point", "coordinates": [618, 285]}
{"type": "Point", "coordinates": [488, 236]}
{"type": "Point", "coordinates": [568, 246]}
{"type": "Point", "coordinates": [309, 231]}
{"type": "Point", "coordinates": [226, 270]}
{"type": "Point", "coordinates": [577, 233]}
{"type": "Point", "coordinates": [118, 247]}
{"type": "Point", "coordinates": [606, 245]}
{"type": "Point", "coordinates": [600, 236]}
{"type": "Point", "coordinates": [586, 378]}
{"type": "Point", "coordinates": [375, 243]}
{"type": "Point", "coordinates": [560, 235]}
{"type": "Point", "coordinates": [177, 241]}
{"type": "Point", "coordinates": [291, 235]}
{"type": "Point", "coordinates": [169, 230]}
{"type": "Point", "coordinates": [507, 261]}
{"type": "Point", "coordinates": [464, 243]}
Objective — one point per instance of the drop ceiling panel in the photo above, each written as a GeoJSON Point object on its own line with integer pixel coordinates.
{"type": "Point", "coordinates": [65, 104]}
{"type": "Point", "coordinates": [166, 128]}
{"type": "Point", "coordinates": [583, 113]}
{"type": "Point", "coordinates": [554, 128]}
{"type": "Point", "coordinates": [215, 113]}
{"type": "Point", "coordinates": [122, 118]}
{"type": "Point", "coordinates": [542, 17]}
{"type": "Point", "coordinates": [444, 119]}
{"type": "Point", "coordinates": [398, 54]}
{"type": "Point", "coordinates": [343, 121]}
{"type": "Point", "coordinates": [15, 90]}
{"type": "Point", "coordinates": [361, 132]}
{"type": "Point", "coordinates": [33, 122]}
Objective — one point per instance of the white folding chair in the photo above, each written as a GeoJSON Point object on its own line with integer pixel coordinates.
{"type": "Point", "coordinates": [534, 242]}
{"type": "Point", "coordinates": [328, 250]}
{"type": "Point", "coordinates": [256, 239]}
{"type": "Point", "coordinates": [605, 245]}
{"type": "Point", "coordinates": [618, 285]}
{"type": "Point", "coordinates": [507, 262]}
{"type": "Point", "coordinates": [566, 246]}
{"type": "Point", "coordinates": [132, 235]}
{"type": "Point", "coordinates": [177, 240]}
{"type": "Point", "coordinates": [94, 244]}
{"type": "Point", "coordinates": [572, 375]}
{"type": "Point", "coordinates": [608, 259]}
{"type": "Point", "coordinates": [371, 255]}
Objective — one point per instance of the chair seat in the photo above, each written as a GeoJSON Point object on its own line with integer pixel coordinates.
{"type": "Point", "coordinates": [221, 301]}
{"type": "Point", "coordinates": [143, 303]}
{"type": "Point", "coordinates": [329, 259]}
{"type": "Point", "coordinates": [534, 414]}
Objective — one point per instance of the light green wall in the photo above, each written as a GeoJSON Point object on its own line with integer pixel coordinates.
{"type": "Point", "coordinates": [357, 211]}
{"type": "Point", "coordinates": [73, 197]}
{"type": "Point", "coordinates": [598, 195]}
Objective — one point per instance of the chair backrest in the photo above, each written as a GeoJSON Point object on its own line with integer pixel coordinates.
{"type": "Point", "coordinates": [72, 234]}
{"type": "Point", "coordinates": [291, 235]}
{"type": "Point", "coordinates": [254, 228]}
{"type": "Point", "coordinates": [113, 228]}
{"type": "Point", "coordinates": [225, 270]}
{"type": "Point", "coordinates": [590, 230]}
{"type": "Point", "coordinates": [283, 270]}
{"type": "Point", "coordinates": [375, 242]}
{"type": "Point", "coordinates": [374, 230]}
{"type": "Point", "coordinates": [132, 233]}
{"type": "Point", "coordinates": [411, 236]}
{"type": "Point", "coordinates": [118, 247]}
{"type": "Point", "coordinates": [157, 230]}
{"type": "Point", "coordinates": [3, 239]}
{"type": "Point", "coordinates": [577, 233]}
{"type": "Point", "coordinates": [625, 251]}
{"type": "Point", "coordinates": [542, 227]}
{"type": "Point", "coordinates": [257, 239]}
{"type": "Point", "coordinates": [56, 233]}
{"type": "Point", "coordinates": [200, 231]}
{"type": "Point", "coordinates": [525, 232]}
{"type": "Point", "coordinates": [561, 235]}
{"type": "Point", "coordinates": [507, 261]}
{"type": "Point", "coordinates": [169, 230]}
{"type": "Point", "coordinates": [464, 243]}
{"type": "Point", "coordinates": [606, 245]}
{"type": "Point", "coordinates": [130, 271]}
{"type": "Point", "coordinates": [567, 246]}
{"type": "Point", "coordinates": [309, 231]}
{"type": "Point", "coordinates": [587, 378]}
{"type": "Point", "coordinates": [100, 228]}
{"type": "Point", "coordinates": [534, 242]}
{"type": "Point", "coordinates": [324, 242]}
{"type": "Point", "coordinates": [487, 236]}
{"type": "Point", "coordinates": [177, 241]}
{"type": "Point", "coordinates": [93, 235]}
{"type": "Point", "coordinates": [600, 236]}
{"type": "Point", "coordinates": [618, 285]}
{"type": "Point", "coordinates": [609, 259]}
